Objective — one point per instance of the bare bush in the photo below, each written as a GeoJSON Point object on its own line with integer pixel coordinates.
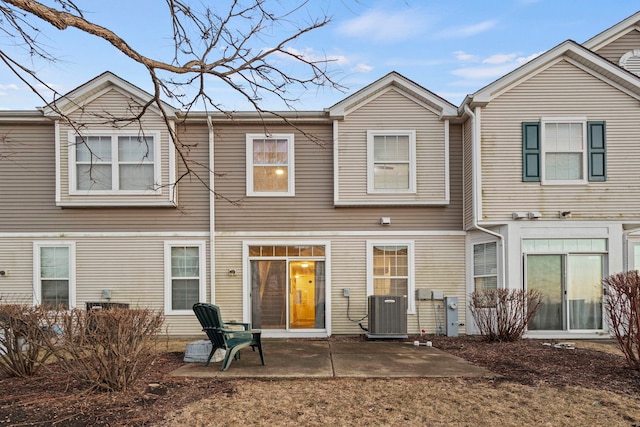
{"type": "Point", "coordinates": [503, 314]}
{"type": "Point", "coordinates": [23, 331]}
{"type": "Point", "coordinates": [622, 306]}
{"type": "Point", "coordinates": [108, 349]}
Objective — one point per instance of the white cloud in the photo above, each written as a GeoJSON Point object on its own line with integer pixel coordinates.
{"type": "Point", "coordinates": [524, 59]}
{"type": "Point", "coordinates": [8, 87]}
{"type": "Point", "coordinates": [467, 31]}
{"type": "Point", "coordinates": [464, 57]}
{"type": "Point", "coordinates": [483, 73]}
{"type": "Point", "coordinates": [385, 26]}
{"type": "Point", "coordinates": [500, 58]}
{"type": "Point", "coordinates": [496, 66]}
{"type": "Point", "coordinates": [362, 68]}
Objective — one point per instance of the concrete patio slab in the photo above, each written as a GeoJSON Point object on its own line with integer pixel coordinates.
{"type": "Point", "coordinates": [334, 359]}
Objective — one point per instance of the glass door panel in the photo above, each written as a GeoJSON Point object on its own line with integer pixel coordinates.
{"type": "Point", "coordinates": [306, 294]}
{"type": "Point", "coordinates": [269, 294]}
{"type": "Point", "coordinates": [585, 291]}
{"type": "Point", "coordinates": [545, 274]}
{"type": "Point", "coordinates": [287, 295]}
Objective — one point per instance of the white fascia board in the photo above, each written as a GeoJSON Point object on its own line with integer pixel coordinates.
{"type": "Point", "coordinates": [76, 98]}
{"type": "Point", "coordinates": [361, 97]}
{"type": "Point", "coordinates": [618, 30]}
{"type": "Point", "coordinates": [544, 61]}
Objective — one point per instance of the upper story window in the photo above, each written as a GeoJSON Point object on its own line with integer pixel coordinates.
{"type": "Point", "coordinates": [270, 165]}
{"type": "Point", "coordinates": [564, 151]}
{"type": "Point", "coordinates": [391, 161]}
{"type": "Point", "coordinates": [107, 162]}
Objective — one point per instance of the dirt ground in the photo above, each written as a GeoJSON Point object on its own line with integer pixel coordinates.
{"type": "Point", "coordinates": [539, 385]}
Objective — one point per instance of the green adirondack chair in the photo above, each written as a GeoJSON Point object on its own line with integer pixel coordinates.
{"type": "Point", "coordinates": [222, 336]}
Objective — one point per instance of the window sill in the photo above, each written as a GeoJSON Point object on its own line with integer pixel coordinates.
{"type": "Point", "coordinates": [117, 204]}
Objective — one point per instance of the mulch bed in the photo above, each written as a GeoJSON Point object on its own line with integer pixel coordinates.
{"type": "Point", "coordinates": [49, 399]}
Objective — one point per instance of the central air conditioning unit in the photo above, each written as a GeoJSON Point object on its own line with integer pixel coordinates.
{"type": "Point", "coordinates": [387, 316]}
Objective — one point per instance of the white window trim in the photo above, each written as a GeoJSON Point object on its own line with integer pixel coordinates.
{"type": "Point", "coordinates": [246, 300]}
{"type": "Point", "coordinates": [543, 151]}
{"type": "Point", "coordinates": [411, 300]}
{"type": "Point", "coordinates": [473, 265]}
{"type": "Point", "coordinates": [72, 171]}
{"type": "Point", "coordinates": [370, 161]}
{"type": "Point", "coordinates": [202, 254]}
{"type": "Point", "coordinates": [37, 284]}
{"type": "Point", "coordinates": [291, 164]}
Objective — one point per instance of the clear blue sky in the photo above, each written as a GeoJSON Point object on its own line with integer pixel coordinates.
{"type": "Point", "coordinates": [451, 48]}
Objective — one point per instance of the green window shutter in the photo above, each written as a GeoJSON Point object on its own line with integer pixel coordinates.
{"type": "Point", "coordinates": [530, 151]}
{"type": "Point", "coordinates": [597, 153]}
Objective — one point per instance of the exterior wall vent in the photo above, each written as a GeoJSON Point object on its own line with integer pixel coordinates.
{"type": "Point", "coordinates": [387, 316]}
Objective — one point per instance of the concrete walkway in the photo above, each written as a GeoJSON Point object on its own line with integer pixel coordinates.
{"type": "Point", "coordinates": [332, 359]}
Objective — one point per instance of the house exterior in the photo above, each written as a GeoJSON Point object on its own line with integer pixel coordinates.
{"type": "Point", "coordinates": [291, 221]}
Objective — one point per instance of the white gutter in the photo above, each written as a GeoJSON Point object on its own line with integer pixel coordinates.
{"type": "Point", "coordinates": [476, 188]}
{"type": "Point", "coordinates": [212, 223]}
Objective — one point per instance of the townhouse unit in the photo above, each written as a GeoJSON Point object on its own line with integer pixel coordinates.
{"type": "Point", "coordinates": [290, 221]}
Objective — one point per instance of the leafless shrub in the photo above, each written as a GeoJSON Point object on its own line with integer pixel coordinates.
{"type": "Point", "coordinates": [108, 349]}
{"type": "Point", "coordinates": [503, 314]}
{"type": "Point", "coordinates": [23, 331]}
{"type": "Point", "coordinates": [622, 305]}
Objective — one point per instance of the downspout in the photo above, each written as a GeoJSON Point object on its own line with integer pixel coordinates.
{"type": "Point", "coordinates": [212, 223]}
{"type": "Point", "coordinates": [476, 196]}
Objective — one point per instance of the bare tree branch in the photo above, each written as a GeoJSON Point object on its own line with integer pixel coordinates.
{"type": "Point", "coordinates": [227, 46]}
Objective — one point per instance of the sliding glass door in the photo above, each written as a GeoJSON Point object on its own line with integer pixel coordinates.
{"type": "Point", "coordinates": [571, 285]}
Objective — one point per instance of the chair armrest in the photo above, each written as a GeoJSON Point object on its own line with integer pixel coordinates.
{"type": "Point", "coordinates": [246, 326]}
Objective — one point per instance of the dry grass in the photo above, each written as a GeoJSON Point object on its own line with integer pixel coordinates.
{"type": "Point", "coordinates": [434, 402]}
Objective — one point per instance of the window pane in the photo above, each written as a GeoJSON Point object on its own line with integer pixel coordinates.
{"type": "Point", "coordinates": [391, 270]}
{"type": "Point", "coordinates": [391, 148]}
{"type": "Point", "coordinates": [383, 286]}
{"type": "Point", "coordinates": [184, 293]}
{"type": "Point", "coordinates": [93, 177]}
{"type": "Point", "coordinates": [135, 149]}
{"type": "Point", "coordinates": [136, 177]}
{"type": "Point", "coordinates": [270, 151]}
{"type": "Point", "coordinates": [482, 283]}
{"type": "Point", "coordinates": [93, 149]}
{"type": "Point", "coordinates": [54, 262]}
{"type": "Point", "coordinates": [391, 176]}
{"type": "Point", "coordinates": [270, 179]}
{"type": "Point", "coordinates": [563, 166]}
{"type": "Point", "coordinates": [55, 293]}
{"type": "Point", "coordinates": [485, 259]}
{"type": "Point", "coordinates": [185, 261]}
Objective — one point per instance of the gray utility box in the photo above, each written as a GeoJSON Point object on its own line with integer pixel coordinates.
{"type": "Point", "coordinates": [387, 316]}
{"type": "Point", "coordinates": [451, 316]}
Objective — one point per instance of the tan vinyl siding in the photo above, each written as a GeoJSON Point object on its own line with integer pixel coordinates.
{"type": "Point", "coordinates": [131, 267]}
{"type": "Point", "coordinates": [439, 265]}
{"type": "Point", "coordinates": [562, 90]}
{"type": "Point", "coordinates": [27, 169]}
{"type": "Point", "coordinates": [467, 173]}
{"type": "Point", "coordinates": [96, 116]}
{"type": "Point", "coordinates": [392, 111]}
{"type": "Point", "coordinates": [312, 207]}
{"type": "Point", "coordinates": [619, 47]}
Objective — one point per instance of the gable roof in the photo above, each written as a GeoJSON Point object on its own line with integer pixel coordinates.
{"type": "Point", "coordinates": [570, 51]}
{"type": "Point", "coordinates": [97, 86]}
{"type": "Point", "coordinates": [396, 81]}
{"type": "Point", "coordinates": [612, 34]}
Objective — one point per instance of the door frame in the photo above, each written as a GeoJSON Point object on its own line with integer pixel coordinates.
{"type": "Point", "coordinates": [246, 291]}
{"type": "Point", "coordinates": [565, 288]}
